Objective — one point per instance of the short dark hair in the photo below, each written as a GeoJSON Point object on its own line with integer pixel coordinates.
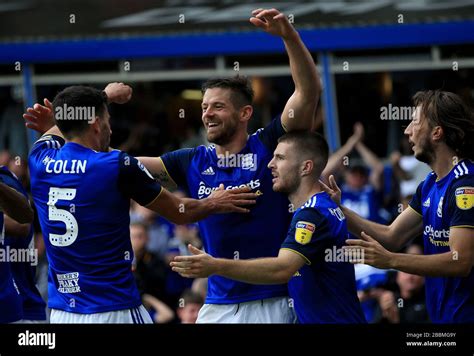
{"type": "Point", "coordinates": [446, 109]}
{"type": "Point", "coordinates": [240, 86]}
{"type": "Point", "coordinates": [309, 145]}
{"type": "Point", "coordinates": [78, 96]}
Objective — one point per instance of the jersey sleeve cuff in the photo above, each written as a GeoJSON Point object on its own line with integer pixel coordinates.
{"type": "Point", "coordinates": [307, 261]}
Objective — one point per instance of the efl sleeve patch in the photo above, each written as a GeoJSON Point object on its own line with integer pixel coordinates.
{"type": "Point", "coordinates": [304, 232]}
{"type": "Point", "coordinates": [465, 198]}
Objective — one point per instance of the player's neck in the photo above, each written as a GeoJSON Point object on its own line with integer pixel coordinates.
{"type": "Point", "coordinates": [86, 142]}
{"type": "Point", "coordinates": [235, 146]}
{"type": "Point", "coordinates": [445, 160]}
{"type": "Point", "coordinates": [305, 191]}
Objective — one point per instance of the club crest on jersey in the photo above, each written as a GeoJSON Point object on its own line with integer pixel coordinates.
{"type": "Point", "coordinates": [304, 232]}
{"type": "Point", "coordinates": [465, 198]}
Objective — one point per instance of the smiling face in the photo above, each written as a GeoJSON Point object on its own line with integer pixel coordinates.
{"type": "Point", "coordinates": [285, 169]}
{"type": "Point", "coordinates": [219, 116]}
{"type": "Point", "coordinates": [419, 136]}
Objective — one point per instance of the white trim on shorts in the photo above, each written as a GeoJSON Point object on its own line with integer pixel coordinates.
{"type": "Point", "coordinates": [137, 315]}
{"type": "Point", "coordinates": [277, 310]}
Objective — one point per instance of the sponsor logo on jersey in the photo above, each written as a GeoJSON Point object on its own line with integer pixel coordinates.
{"type": "Point", "coordinates": [205, 191]}
{"type": "Point", "coordinates": [304, 232]}
{"type": "Point", "coordinates": [437, 237]}
{"type": "Point", "coordinates": [465, 198]}
{"type": "Point", "coordinates": [68, 282]}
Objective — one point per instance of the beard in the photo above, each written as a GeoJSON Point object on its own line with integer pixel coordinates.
{"type": "Point", "coordinates": [289, 185]}
{"type": "Point", "coordinates": [426, 153]}
{"type": "Point", "coordinates": [226, 134]}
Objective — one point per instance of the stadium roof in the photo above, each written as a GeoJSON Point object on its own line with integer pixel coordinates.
{"type": "Point", "coordinates": [54, 30]}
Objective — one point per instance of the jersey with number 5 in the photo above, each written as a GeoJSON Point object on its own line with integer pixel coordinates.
{"type": "Point", "coordinates": [83, 201]}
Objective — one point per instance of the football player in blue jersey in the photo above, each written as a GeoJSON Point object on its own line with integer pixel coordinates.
{"type": "Point", "coordinates": [237, 159]}
{"type": "Point", "coordinates": [82, 191]}
{"type": "Point", "coordinates": [13, 206]}
{"type": "Point", "coordinates": [320, 282]}
{"type": "Point", "coordinates": [442, 210]}
{"type": "Point", "coordinates": [20, 238]}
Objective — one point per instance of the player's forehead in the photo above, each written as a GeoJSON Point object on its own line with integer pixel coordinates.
{"type": "Point", "coordinates": [214, 95]}
{"type": "Point", "coordinates": [283, 148]}
{"type": "Point", "coordinates": [416, 115]}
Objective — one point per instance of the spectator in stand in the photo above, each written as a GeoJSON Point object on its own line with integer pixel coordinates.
{"type": "Point", "coordinates": [188, 306]}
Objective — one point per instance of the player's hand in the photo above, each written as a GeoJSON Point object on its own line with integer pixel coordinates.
{"type": "Point", "coordinates": [368, 251]}
{"type": "Point", "coordinates": [232, 200]}
{"type": "Point", "coordinates": [40, 117]}
{"type": "Point", "coordinates": [333, 189]}
{"type": "Point", "coordinates": [118, 93]}
{"type": "Point", "coordinates": [273, 22]}
{"type": "Point", "coordinates": [200, 265]}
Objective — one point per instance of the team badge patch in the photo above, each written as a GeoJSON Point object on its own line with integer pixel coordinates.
{"type": "Point", "coordinates": [465, 198]}
{"type": "Point", "coordinates": [304, 232]}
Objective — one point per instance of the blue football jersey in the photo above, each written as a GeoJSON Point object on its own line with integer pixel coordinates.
{"type": "Point", "coordinates": [443, 204]}
{"type": "Point", "coordinates": [259, 233]}
{"type": "Point", "coordinates": [24, 272]}
{"type": "Point", "coordinates": [83, 201]}
{"type": "Point", "coordinates": [11, 308]}
{"type": "Point", "coordinates": [324, 289]}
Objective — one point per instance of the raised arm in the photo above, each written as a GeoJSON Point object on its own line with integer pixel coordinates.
{"type": "Point", "coordinates": [41, 117]}
{"type": "Point", "coordinates": [375, 164]}
{"type": "Point", "coordinates": [300, 109]}
{"type": "Point", "coordinates": [335, 159]}
{"type": "Point", "coordinates": [272, 270]}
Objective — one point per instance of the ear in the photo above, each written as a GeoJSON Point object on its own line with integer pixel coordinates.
{"type": "Point", "coordinates": [246, 113]}
{"type": "Point", "coordinates": [307, 168]}
{"type": "Point", "coordinates": [437, 133]}
{"type": "Point", "coordinates": [95, 125]}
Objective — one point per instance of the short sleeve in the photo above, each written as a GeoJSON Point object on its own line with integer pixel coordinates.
{"type": "Point", "coordinates": [135, 181]}
{"type": "Point", "coordinates": [461, 202]}
{"type": "Point", "coordinates": [44, 145]}
{"type": "Point", "coordinates": [309, 234]}
{"type": "Point", "coordinates": [271, 133]}
{"type": "Point", "coordinates": [415, 202]}
{"type": "Point", "coordinates": [176, 164]}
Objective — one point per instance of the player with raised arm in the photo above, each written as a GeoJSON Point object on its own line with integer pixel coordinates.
{"type": "Point", "coordinates": [321, 285]}
{"type": "Point", "coordinates": [82, 191]}
{"type": "Point", "coordinates": [237, 159]}
{"type": "Point", "coordinates": [441, 210]}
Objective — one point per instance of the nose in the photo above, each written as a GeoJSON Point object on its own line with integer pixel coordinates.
{"type": "Point", "coordinates": [271, 164]}
{"type": "Point", "coordinates": [408, 129]}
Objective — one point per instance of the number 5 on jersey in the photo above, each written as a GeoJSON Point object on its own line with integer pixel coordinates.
{"type": "Point", "coordinates": [56, 214]}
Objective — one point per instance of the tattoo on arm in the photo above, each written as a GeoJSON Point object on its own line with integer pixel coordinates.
{"type": "Point", "coordinates": [163, 178]}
